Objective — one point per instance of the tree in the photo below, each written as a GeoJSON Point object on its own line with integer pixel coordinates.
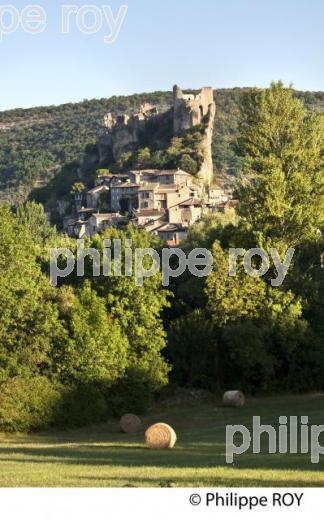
{"type": "Point", "coordinates": [29, 322]}
{"type": "Point", "coordinates": [77, 187]}
{"type": "Point", "coordinates": [143, 158]}
{"type": "Point", "coordinates": [32, 216]}
{"type": "Point", "coordinates": [258, 328]}
{"type": "Point", "coordinates": [188, 164]}
{"type": "Point", "coordinates": [124, 161]}
{"type": "Point", "coordinates": [282, 191]}
{"type": "Point", "coordinates": [193, 351]}
{"type": "Point", "coordinates": [95, 351]}
{"type": "Point", "coordinates": [174, 150]}
{"type": "Point", "coordinates": [136, 308]}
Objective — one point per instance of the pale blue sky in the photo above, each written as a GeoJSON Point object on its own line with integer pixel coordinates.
{"type": "Point", "coordinates": [222, 43]}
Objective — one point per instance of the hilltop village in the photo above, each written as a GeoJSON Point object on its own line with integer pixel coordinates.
{"type": "Point", "coordinates": [165, 202]}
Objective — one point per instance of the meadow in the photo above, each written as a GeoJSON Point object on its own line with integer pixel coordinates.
{"type": "Point", "coordinates": [102, 456]}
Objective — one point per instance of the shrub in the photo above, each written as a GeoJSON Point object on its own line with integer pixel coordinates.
{"type": "Point", "coordinates": [83, 404]}
{"type": "Point", "coordinates": [28, 404]}
{"type": "Point", "coordinates": [132, 393]}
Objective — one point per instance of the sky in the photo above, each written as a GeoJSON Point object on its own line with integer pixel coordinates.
{"type": "Point", "coordinates": [219, 43]}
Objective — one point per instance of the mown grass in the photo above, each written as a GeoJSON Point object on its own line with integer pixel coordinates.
{"type": "Point", "coordinates": [101, 456]}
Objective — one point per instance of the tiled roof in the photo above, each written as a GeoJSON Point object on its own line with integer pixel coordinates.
{"type": "Point", "coordinates": [86, 210]}
{"type": "Point", "coordinates": [161, 172]}
{"type": "Point", "coordinates": [172, 227]}
{"type": "Point", "coordinates": [149, 186]}
{"type": "Point", "coordinates": [105, 216]}
{"type": "Point", "coordinates": [149, 212]}
{"type": "Point", "coordinates": [168, 187]}
{"type": "Point", "coordinates": [125, 185]}
{"type": "Point", "coordinates": [98, 188]}
{"type": "Point", "coordinates": [173, 172]}
{"type": "Point", "coordinates": [191, 202]}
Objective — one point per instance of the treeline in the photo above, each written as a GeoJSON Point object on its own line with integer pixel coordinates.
{"type": "Point", "coordinates": [78, 353]}
{"type": "Point", "coordinates": [36, 143]}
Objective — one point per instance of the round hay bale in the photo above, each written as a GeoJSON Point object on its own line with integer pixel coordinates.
{"type": "Point", "coordinates": [160, 436]}
{"type": "Point", "coordinates": [130, 423]}
{"type": "Point", "coordinates": [233, 398]}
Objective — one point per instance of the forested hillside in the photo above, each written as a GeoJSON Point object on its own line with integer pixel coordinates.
{"type": "Point", "coordinates": [35, 143]}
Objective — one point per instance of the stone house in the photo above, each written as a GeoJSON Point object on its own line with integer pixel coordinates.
{"type": "Point", "coordinates": [85, 213]}
{"type": "Point", "coordinates": [78, 229]}
{"type": "Point", "coordinates": [172, 234]}
{"type": "Point", "coordinates": [109, 178]}
{"type": "Point", "coordinates": [124, 196]}
{"type": "Point", "coordinates": [186, 212]}
{"type": "Point", "coordinates": [162, 196]}
{"type": "Point", "coordinates": [161, 176]}
{"type": "Point", "coordinates": [217, 195]}
{"type": "Point", "coordinates": [147, 216]}
{"type": "Point", "coordinates": [98, 193]}
{"type": "Point", "coordinates": [225, 206]}
{"type": "Point", "coordinates": [96, 223]}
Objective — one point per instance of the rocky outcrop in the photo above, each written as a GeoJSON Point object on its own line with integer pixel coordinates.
{"type": "Point", "coordinates": [191, 110]}
{"type": "Point", "coordinates": [125, 133]}
{"type": "Point", "coordinates": [122, 133]}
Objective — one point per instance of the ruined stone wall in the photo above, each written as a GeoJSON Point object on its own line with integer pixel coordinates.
{"type": "Point", "coordinates": [190, 109]}
{"type": "Point", "coordinates": [122, 134]}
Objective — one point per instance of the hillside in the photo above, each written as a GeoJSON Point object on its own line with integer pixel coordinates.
{"type": "Point", "coordinates": [35, 143]}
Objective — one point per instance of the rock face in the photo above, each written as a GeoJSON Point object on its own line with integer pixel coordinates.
{"type": "Point", "coordinates": [124, 133]}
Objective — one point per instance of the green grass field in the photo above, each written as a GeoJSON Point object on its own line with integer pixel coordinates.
{"type": "Point", "coordinates": [101, 456]}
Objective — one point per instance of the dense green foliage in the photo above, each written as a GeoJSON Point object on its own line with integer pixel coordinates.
{"type": "Point", "coordinates": [178, 152]}
{"type": "Point", "coordinates": [240, 331]}
{"type": "Point", "coordinates": [80, 345]}
{"type": "Point", "coordinates": [36, 143]}
{"type": "Point", "coordinates": [281, 194]}
{"type": "Point", "coordinates": [28, 404]}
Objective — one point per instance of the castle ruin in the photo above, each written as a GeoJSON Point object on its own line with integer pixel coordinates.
{"type": "Point", "coordinates": [190, 110]}
{"type": "Point", "coordinates": [123, 133]}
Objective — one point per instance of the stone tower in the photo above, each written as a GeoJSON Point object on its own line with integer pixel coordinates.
{"type": "Point", "coordinates": [190, 110]}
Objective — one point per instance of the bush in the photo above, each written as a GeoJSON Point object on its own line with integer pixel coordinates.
{"type": "Point", "coordinates": [83, 404]}
{"type": "Point", "coordinates": [28, 404]}
{"type": "Point", "coordinates": [193, 352]}
{"type": "Point", "coordinates": [132, 393]}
